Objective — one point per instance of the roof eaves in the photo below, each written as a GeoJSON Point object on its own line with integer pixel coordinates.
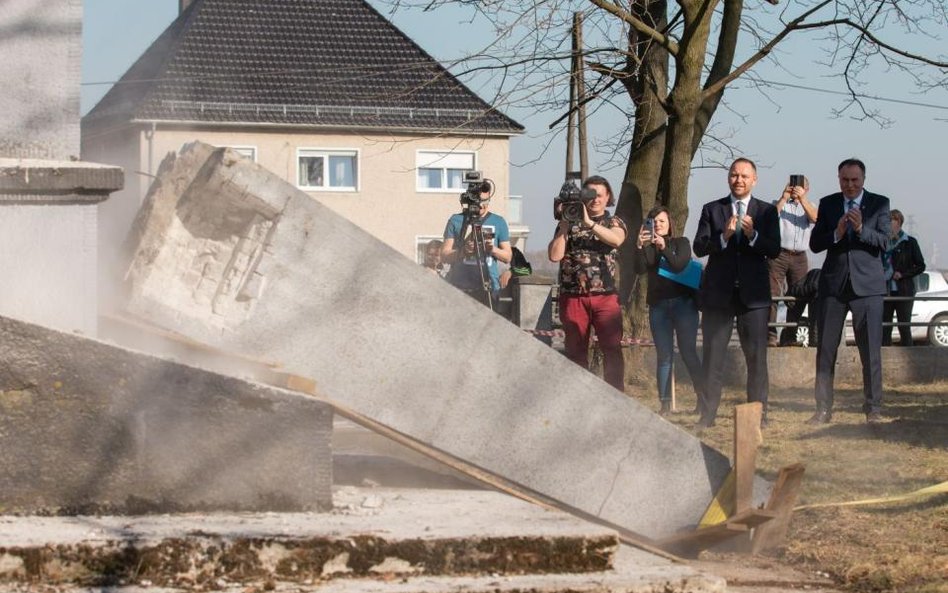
{"type": "Point", "coordinates": [505, 133]}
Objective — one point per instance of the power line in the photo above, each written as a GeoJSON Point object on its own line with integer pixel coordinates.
{"type": "Point", "coordinates": [857, 95]}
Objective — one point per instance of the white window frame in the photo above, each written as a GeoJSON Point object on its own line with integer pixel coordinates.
{"type": "Point", "coordinates": [309, 151]}
{"type": "Point", "coordinates": [246, 150]}
{"type": "Point", "coordinates": [421, 241]}
{"type": "Point", "coordinates": [431, 156]}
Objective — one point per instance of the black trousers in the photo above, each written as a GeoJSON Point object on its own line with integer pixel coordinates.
{"type": "Point", "coordinates": [716, 329]}
{"type": "Point", "coordinates": [903, 312]}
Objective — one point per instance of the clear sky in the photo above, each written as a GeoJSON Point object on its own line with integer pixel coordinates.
{"type": "Point", "coordinates": [790, 131]}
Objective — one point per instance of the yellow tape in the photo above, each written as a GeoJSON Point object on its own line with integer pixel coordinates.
{"type": "Point", "coordinates": [722, 505]}
{"type": "Point", "coordinates": [928, 491]}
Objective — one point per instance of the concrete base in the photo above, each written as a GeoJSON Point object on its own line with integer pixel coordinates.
{"type": "Point", "coordinates": [374, 540]}
{"type": "Point", "coordinates": [231, 255]}
{"type": "Point", "coordinates": [86, 427]}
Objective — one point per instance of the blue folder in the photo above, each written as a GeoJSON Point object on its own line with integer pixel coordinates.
{"type": "Point", "coordinates": [690, 276]}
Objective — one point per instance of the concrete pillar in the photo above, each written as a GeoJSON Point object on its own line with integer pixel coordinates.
{"type": "Point", "coordinates": [47, 198]}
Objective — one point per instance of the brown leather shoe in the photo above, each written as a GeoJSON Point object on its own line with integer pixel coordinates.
{"type": "Point", "coordinates": [821, 417]}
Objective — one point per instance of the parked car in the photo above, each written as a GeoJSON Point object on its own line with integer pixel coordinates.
{"type": "Point", "coordinates": [932, 283]}
{"type": "Point", "coordinates": [934, 313]}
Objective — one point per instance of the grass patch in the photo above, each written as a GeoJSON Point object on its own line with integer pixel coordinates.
{"type": "Point", "coordinates": [896, 547]}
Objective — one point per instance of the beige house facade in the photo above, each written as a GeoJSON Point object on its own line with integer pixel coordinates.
{"type": "Point", "coordinates": [330, 96]}
{"type": "Point", "coordinates": [384, 183]}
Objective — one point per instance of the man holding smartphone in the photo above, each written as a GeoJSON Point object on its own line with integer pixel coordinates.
{"type": "Point", "coordinates": [797, 217]}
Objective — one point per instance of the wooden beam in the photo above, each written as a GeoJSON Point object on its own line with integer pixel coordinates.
{"type": "Point", "coordinates": [782, 500]}
{"type": "Point", "coordinates": [309, 387]}
{"type": "Point", "coordinates": [747, 438]}
{"type": "Point", "coordinates": [690, 543]}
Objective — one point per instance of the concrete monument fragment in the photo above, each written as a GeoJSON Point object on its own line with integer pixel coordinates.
{"type": "Point", "coordinates": [230, 255]}
{"type": "Point", "coordinates": [86, 427]}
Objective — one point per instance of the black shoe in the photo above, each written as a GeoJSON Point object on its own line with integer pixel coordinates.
{"type": "Point", "coordinates": [821, 417]}
{"type": "Point", "coordinates": [764, 422]}
{"type": "Point", "coordinates": [666, 408]}
{"type": "Point", "coordinates": [873, 418]}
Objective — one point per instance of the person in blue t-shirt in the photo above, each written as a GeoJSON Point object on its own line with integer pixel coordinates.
{"type": "Point", "coordinates": [465, 272]}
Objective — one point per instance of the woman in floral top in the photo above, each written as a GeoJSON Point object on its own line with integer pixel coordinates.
{"type": "Point", "coordinates": [587, 251]}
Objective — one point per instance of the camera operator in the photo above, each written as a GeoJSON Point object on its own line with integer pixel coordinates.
{"type": "Point", "coordinates": [586, 247]}
{"type": "Point", "coordinates": [465, 270]}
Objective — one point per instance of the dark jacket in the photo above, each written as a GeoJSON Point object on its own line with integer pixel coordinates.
{"type": "Point", "coordinates": [855, 258]}
{"type": "Point", "coordinates": [740, 264]}
{"type": "Point", "coordinates": [677, 253]}
{"type": "Point", "coordinates": [906, 259]}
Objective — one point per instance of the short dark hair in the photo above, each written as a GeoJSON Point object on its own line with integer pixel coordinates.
{"type": "Point", "coordinates": [742, 159]}
{"type": "Point", "coordinates": [850, 163]}
{"type": "Point", "coordinates": [600, 180]}
{"type": "Point", "coordinates": [897, 215]}
{"type": "Point", "coordinates": [658, 209]}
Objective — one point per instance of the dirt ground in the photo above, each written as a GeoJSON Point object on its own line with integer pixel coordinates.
{"type": "Point", "coordinates": [891, 547]}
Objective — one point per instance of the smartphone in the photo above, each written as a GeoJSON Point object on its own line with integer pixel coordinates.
{"type": "Point", "coordinates": [796, 181]}
{"type": "Point", "coordinates": [650, 225]}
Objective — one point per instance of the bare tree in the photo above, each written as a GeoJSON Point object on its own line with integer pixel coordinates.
{"type": "Point", "coordinates": [665, 66]}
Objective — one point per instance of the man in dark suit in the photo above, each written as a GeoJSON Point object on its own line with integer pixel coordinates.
{"type": "Point", "coordinates": [738, 233]}
{"type": "Point", "coordinates": [852, 227]}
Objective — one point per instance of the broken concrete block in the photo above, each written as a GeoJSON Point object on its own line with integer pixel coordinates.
{"type": "Point", "coordinates": [230, 255]}
{"type": "Point", "coordinates": [86, 427]}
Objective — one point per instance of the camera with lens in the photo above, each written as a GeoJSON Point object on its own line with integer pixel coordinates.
{"type": "Point", "coordinates": [471, 199]}
{"type": "Point", "coordinates": [568, 205]}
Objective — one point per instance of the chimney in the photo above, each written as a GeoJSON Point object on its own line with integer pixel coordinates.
{"type": "Point", "coordinates": [183, 5]}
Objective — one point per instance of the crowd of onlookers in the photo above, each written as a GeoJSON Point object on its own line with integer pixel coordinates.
{"type": "Point", "coordinates": [756, 252]}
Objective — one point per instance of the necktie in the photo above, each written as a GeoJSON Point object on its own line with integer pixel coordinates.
{"type": "Point", "coordinates": [740, 216]}
{"type": "Point", "coordinates": [850, 204]}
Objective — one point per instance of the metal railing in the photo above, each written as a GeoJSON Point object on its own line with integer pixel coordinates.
{"type": "Point", "coordinates": [884, 323]}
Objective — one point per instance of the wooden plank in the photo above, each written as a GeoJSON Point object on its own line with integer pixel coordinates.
{"type": "Point", "coordinates": [782, 500]}
{"type": "Point", "coordinates": [690, 543]}
{"type": "Point", "coordinates": [310, 388]}
{"type": "Point", "coordinates": [747, 438]}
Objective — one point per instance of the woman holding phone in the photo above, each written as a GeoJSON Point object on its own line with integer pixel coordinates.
{"type": "Point", "coordinates": [672, 306]}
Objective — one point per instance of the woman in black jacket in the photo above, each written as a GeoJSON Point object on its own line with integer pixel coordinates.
{"type": "Point", "coordinates": [902, 261]}
{"type": "Point", "coordinates": [672, 306]}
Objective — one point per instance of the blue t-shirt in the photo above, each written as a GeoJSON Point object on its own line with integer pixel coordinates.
{"type": "Point", "coordinates": [464, 273]}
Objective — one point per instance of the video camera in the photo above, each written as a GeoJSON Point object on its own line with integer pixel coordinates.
{"type": "Point", "coordinates": [568, 205]}
{"type": "Point", "coordinates": [471, 199]}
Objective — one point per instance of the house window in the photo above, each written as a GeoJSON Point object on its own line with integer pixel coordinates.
{"type": "Point", "coordinates": [321, 169]}
{"type": "Point", "coordinates": [248, 151]}
{"type": "Point", "coordinates": [442, 170]}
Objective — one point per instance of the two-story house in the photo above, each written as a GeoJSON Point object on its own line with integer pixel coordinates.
{"type": "Point", "coordinates": [326, 93]}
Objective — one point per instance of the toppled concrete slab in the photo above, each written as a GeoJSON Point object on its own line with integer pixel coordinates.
{"type": "Point", "coordinates": [231, 255]}
{"type": "Point", "coordinates": [413, 540]}
{"type": "Point", "coordinates": [86, 427]}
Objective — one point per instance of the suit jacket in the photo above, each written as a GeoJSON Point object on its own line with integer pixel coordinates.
{"type": "Point", "coordinates": [857, 259]}
{"type": "Point", "coordinates": [743, 264]}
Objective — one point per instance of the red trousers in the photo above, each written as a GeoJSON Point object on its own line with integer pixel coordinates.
{"type": "Point", "coordinates": [601, 311]}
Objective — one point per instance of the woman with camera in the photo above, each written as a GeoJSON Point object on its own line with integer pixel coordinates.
{"type": "Point", "coordinates": [585, 245]}
{"type": "Point", "coordinates": [672, 305]}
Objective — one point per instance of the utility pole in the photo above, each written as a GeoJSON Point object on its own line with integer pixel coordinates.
{"type": "Point", "coordinates": [576, 123]}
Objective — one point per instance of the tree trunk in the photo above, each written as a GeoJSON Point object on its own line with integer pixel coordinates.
{"type": "Point", "coordinates": [640, 184]}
